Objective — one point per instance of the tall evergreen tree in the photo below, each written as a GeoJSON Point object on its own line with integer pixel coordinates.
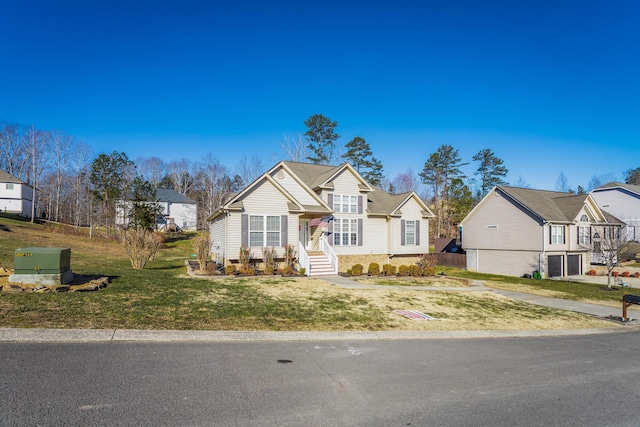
{"type": "Point", "coordinates": [360, 156]}
{"type": "Point", "coordinates": [439, 170]}
{"type": "Point", "coordinates": [491, 170]}
{"type": "Point", "coordinates": [110, 175]}
{"type": "Point", "coordinates": [321, 136]}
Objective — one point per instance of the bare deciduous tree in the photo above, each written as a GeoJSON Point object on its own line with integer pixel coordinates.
{"type": "Point", "coordinates": [609, 243]}
{"type": "Point", "coordinates": [295, 149]}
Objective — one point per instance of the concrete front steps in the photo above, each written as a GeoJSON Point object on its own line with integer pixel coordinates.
{"type": "Point", "coordinates": [320, 264]}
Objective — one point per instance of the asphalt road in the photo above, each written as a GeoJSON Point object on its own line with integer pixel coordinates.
{"type": "Point", "coordinates": [588, 380]}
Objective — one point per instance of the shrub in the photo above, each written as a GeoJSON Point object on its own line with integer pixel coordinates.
{"type": "Point", "coordinates": [427, 261]}
{"type": "Point", "coordinates": [269, 256]}
{"type": "Point", "coordinates": [357, 270]}
{"type": "Point", "coordinates": [289, 255]}
{"type": "Point", "coordinates": [403, 271]}
{"type": "Point", "coordinates": [230, 269]}
{"type": "Point", "coordinates": [625, 274]}
{"type": "Point", "coordinates": [429, 271]}
{"type": "Point", "coordinates": [303, 271]}
{"type": "Point", "coordinates": [388, 270]}
{"type": "Point", "coordinates": [592, 272]}
{"type": "Point", "coordinates": [287, 271]}
{"type": "Point", "coordinates": [244, 259]}
{"type": "Point", "coordinates": [349, 272]}
{"type": "Point", "coordinates": [615, 273]}
{"type": "Point", "coordinates": [415, 271]}
{"type": "Point", "coordinates": [202, 247]}
{"type": "Point", "coordinates": [248, 271]}
{"type": "Point", "coordinates": [374, 269]}
{"type": "Point", "coordinates": [636, 274]}
{"type": "Point", "coordinates": [140, 245]}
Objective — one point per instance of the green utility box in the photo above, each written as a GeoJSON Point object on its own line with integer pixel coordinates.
{"type": "Point", "coordinates": [42, 260]}
{"type": "Point", "coordinates": [42, 266]}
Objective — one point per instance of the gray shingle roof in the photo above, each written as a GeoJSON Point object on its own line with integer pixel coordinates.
{"type": "Point", "coordinates": [7, 177]}
{"type": "Point", "coordinates": [172, 196]}
{"type": "Point", "coordinates": [552, 206]}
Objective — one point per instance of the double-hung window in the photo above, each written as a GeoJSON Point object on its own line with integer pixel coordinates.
{"type": "Point", "coordinates": [557, 234]}
{"type": "Point", "coordinates": [264, 230]}
{"type": "Point", "coordinates": [410, 233]}
{"type": "Point", "coordinates": [345, 232]}
{"type": "Point", "coordinates": [584, 236]}
{"type": "Point", "coordinates": [9, 186]}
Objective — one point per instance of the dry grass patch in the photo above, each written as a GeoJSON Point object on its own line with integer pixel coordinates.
{"type": "Point", "coordinates": [455, 310]}
{"type": "Point", "coordinates": [438, 282]}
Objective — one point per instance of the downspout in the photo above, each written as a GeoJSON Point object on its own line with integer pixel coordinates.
{"type": "Point", "coordinates": [390, 241]}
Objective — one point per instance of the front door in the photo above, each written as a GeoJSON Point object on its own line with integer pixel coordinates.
{"type": "Point", "coordinates": [306, 237]}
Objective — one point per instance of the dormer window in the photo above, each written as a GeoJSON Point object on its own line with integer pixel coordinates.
{"type": "Point", "coordinates": [584, 218]}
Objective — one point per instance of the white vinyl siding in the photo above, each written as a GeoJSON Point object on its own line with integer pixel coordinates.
{"type": "Point", "coordinates": [262, 198]}
{"type": "Point", "coordinates": [283, 178]}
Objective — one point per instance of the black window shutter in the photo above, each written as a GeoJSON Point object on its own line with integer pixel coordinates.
{"type": "Point", "coordinates": [360, 232]}
{"type": "Point", "coordinates": [564, 234]}
{"type": "Point", "coordinates": [402, 226]}
{"type": "Point", "coordinates": [359, 204]}
{"type": "Point", "coordinates": [417, 232]}
{"type": "Point", "coordinates": [244, 223]}
{"type": "Point", "coordinates": [284, 231]}
{"type": "Point", "coordinates": [590, 235]}
{"type": "Point", "coordinates": [550, 233]}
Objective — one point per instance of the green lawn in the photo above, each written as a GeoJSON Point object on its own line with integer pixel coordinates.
{"type": "Point", "coordinates": [162, 296]}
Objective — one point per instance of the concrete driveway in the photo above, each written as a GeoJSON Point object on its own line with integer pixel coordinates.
{"type": "Point", "coordinates": [633, 282]}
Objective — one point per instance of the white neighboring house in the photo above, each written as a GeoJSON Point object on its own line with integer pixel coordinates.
{"type": "Point", "coordinates": [622, 201]}
{"type": "Point", "coordinates": [178, 211]}
{"type": "Point", "coordinates": [16, 196]}
{"type": "Point", "coordinates": [331, 215]}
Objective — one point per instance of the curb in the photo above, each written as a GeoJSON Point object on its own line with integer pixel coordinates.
{"type": "Point", "coordinates": [18, 335]}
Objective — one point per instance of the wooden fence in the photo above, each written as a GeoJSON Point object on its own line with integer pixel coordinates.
{"type": "Point", "coordinates": [450, 259]}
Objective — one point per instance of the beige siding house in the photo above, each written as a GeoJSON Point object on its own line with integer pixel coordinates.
{"type": "Point", "coordinates": [330, 214]}
{"type": "Point", "coordinates": [516, 231]}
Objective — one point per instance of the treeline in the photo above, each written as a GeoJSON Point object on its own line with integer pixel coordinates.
{"type": "Point", "coordinates": [76, 188]}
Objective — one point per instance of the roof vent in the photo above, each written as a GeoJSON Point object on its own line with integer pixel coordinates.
{"type": "Point", "coordinates": [280, 174]}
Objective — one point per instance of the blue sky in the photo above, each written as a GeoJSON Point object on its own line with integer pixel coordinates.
{"type": "Point", "coordinates": [549, 86]}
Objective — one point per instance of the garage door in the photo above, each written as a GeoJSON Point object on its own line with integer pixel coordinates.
{"type": "Point", "coordinates": [573, 265]}
{"type": "Point", "coordinates": [555, 265]}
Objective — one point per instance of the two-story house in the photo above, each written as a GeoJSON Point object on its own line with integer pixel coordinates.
{"type": "Point", "coordinates": [623, 202]}
{"type": "Point", "coordinates": [328, 213]}
{"type": "Point", "coordinates": [516, 231]}
{"type": "Point", "coordinates": [177, 211]}
{"type": "Point", "coordinates": [16, 196]}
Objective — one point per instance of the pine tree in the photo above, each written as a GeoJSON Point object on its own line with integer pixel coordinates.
{"type": "Point", "coordinates": [491, 170]}
{"type": "Point", "coordinates": [321, 136]}
{"type": "Point", "coordinates": [360, 156]}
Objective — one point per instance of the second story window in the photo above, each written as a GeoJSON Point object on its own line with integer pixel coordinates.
{"type": "Point", "coordinates": [345, 204]}
{"type": "Point", "coordinates": [557, 234]}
